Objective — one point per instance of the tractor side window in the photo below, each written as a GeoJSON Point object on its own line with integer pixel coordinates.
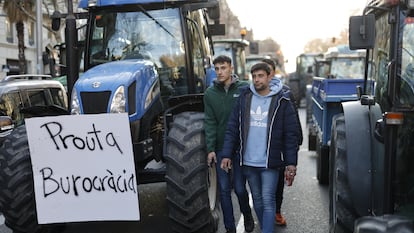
{"type": "Point", "coordinates": [198, 53]}
{"type": "Point", "coordinates": [241, 64]}
{"type": "Point", "coordinates": [380, 59]}
{"type": "Point", "coordinates": [407, 63]}
{"type": "Point", "coordinates": [404, 191]}
{"type": "Point", "coordinates": [37, 97]}
{"type": "Point", "coordinates": [58, 97]}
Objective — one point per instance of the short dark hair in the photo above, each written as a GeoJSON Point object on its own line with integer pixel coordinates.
{"type": "Point", "coordinates": [222, 59]}
{"type": "Point", "coordinates": [260, 66]}
{"type": "Point", "coordinates": [270, 62]}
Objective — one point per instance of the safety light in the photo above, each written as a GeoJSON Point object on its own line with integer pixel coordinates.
{"type": "Point", "coordinates": [75, 104]}
{"type": "Point", "coordinates": [409, 20]}
{"type": "Point", "coordinates": [92, 3]}
{"type": "Point", "coordinates": [394, 118]}
{"type": "Point", "coordinates": [118, 101]}
{"type": "Point", "coordinates": [410, 4]}
{"type": "Point", "coordinates": [243, 32]}
{"type": "Point", "coordinates": [392, 2]}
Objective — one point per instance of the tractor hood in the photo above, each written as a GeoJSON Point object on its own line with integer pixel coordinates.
{"type": "Point", "coordinates": [98, 86]}
{"type": "Point", "coordinates": [110, 76]}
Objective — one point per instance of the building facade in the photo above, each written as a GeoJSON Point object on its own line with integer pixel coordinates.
{"type": "Point", "coordinates": [9, 60]}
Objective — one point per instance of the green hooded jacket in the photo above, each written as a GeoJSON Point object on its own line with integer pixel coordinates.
{"type": "Point", "coordinates": [218, 105]}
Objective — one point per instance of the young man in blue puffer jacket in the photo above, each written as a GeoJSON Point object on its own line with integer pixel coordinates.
{"type": "Point", "coordinates": [263, 127]}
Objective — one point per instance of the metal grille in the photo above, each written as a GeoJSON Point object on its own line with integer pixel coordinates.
{"type": "Point", "coordinates": [95, 102]}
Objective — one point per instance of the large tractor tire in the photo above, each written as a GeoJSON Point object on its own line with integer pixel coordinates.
{"type": "Point", "coordinates": [322, 162]}
{"type": "Point", "coordinates": [17, 197]}
{"type": "Point", "coordinates": [312, 138]}
{"type": "Point", "coordinates": [384, 224]}
{"type": "Point", "coordinates": [341, 211]}
{"type": "Point", "coordinates": [191, 184]}
{"type": "Point", "coordinates": [311, 142]}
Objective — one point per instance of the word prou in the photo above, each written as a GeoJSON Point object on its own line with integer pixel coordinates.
{"type": "Point", "coordinates": [76, 185]}
{"type": "Point", "coordinates": [54, 130]}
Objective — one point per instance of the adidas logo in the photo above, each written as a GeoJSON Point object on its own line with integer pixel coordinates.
{"type": "Point", "coordinates": [258, 115]}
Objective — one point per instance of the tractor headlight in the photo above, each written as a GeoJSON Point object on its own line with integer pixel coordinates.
{"type": "Point", "coordinates": [118, 101]}
{"type": "Point", "coordinates": [74, 104]}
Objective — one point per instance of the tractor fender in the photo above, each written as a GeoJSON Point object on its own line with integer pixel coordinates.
{"type": "Point", "coordinates": [361, 146]}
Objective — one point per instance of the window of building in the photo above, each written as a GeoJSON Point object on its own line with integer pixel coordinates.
{"type": "Point", "coordinates": [31, 32]}
{"type": "Point", "coordinates": [9, 31]}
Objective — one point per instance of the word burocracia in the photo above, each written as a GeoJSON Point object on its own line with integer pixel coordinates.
{"type": "Point", "coordinates": [76, 185]}
{"type": "Point", "coordinates": [55, 132]}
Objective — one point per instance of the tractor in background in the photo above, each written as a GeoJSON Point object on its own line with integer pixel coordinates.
{"type": "Point", "coordinates": [235, 49]}
{"type": "Point", "coordinates": [341, 73]}
{"type": "Point", "coordinates": [303, 75]}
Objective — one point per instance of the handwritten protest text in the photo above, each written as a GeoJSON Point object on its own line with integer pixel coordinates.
{"type": "Point", "coordinates": [92, 141]}
{"type": "Point", "coordinates": [76, 185]}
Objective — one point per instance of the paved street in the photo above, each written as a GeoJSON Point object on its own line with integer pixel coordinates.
{"type": "Point", "coordinates": [305, 205]}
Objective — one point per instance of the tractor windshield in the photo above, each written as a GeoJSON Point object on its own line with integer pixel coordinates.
{"type": "Point", "coordinates": [152, 35]}
{"type": "Point", "coordinates": [348, 68]}
{"type": "Point", "coordinates": [305, 63]}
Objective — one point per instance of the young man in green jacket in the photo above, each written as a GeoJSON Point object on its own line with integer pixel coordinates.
{"type": "Point", "coordinates": [218, 104]}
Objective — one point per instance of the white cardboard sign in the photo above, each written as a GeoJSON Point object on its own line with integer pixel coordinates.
{"type": "Point", "coordinates": [83, 168]}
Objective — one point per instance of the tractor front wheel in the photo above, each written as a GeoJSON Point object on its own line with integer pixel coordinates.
{"type": "Point", "coordinates": [341, 211]}
{"type": "Point", "coordinates": [191, 184]}
{"type": "Point", "coordinates": [17, 197]}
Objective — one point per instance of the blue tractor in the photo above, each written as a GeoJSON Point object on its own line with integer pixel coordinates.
{"type": "Point", "coordinates": [153, 60]}
{"type": "Point", "coordinates": [341, 72]}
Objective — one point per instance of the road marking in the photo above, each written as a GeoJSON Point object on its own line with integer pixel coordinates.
{"type": "Point", "coordinates": [1, 219]}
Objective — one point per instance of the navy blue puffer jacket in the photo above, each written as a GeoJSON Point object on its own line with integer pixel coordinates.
{"type": "Point", "coordinates": [283, 129]}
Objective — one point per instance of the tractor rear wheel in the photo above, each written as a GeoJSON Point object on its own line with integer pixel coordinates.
{"type": "Point", "coordinates": [295, 89]}
{"type": "Point", "coordinates": [17, 197]}
{"type": "Point", "coordinates": [191, 185]}
{"type": "Point", "coordinates": [341, 212]}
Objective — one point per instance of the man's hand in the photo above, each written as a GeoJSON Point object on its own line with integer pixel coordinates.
{"type": "Point", "coordinates": [225, 164]}
{"type": "Point", "coordinates": [290, 173]}
{"type": "Point", "coordinates": [211, 158]}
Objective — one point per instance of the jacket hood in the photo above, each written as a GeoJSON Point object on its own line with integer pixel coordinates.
{"type": "Point", "coordinates": [234, 78]}
{"type": "Point", "coordinates": [275, 87]}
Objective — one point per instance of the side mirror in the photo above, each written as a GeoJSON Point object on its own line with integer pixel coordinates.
{"type": "Point", "coordinates": [362, 32]}
{"type": "Point", "coordinates": [214, 12]}
{"type": "Point", "coordinates": [56, 20]}
{"type": "Point", "coordinates": [6, 125]}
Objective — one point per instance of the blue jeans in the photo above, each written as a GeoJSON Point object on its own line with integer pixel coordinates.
{"type": "Point", "coordinates": [225, 186]}
{"type": "Point", "coordinates": [263, 185]}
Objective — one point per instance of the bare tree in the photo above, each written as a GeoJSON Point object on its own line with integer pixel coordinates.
{"type": "Point", "coordinates": [319, 45]}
